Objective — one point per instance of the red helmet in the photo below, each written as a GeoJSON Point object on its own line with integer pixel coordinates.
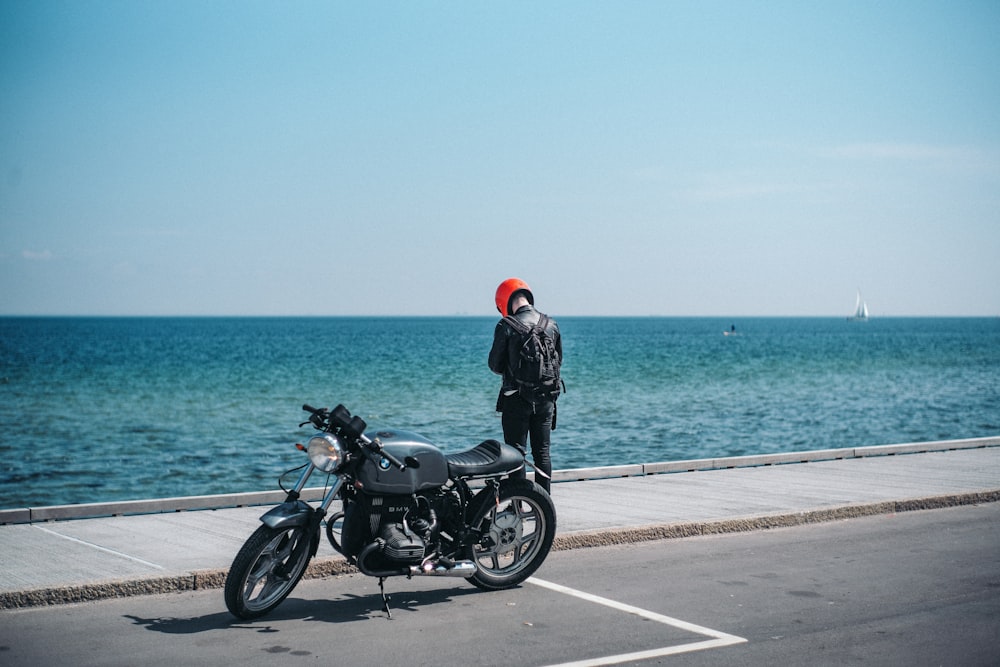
{"type": "Point", "coordinates": [507, 290]}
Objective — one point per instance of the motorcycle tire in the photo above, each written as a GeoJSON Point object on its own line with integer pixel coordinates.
{"type": "Point", "coordinates": [518, 534]}
{"type": "Point", "coordinates": [266, 570]}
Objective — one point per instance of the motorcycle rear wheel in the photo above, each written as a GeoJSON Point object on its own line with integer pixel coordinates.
{"type": "Point", "coordinates": [520, 530]}
{"type": "Point", "coordinates": [266, 570]}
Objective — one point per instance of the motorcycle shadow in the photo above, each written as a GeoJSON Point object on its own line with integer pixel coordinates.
{"type": "Point", "coordinates": [346, 608]}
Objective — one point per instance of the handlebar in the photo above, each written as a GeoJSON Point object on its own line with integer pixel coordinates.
{"type": "Point", "coordinates": [352, 428]}
{"type": "Point", "coordinates": [375, 446]}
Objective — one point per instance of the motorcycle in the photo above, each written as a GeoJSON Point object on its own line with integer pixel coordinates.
{"type": "Point", "coordinates": [407, 510]}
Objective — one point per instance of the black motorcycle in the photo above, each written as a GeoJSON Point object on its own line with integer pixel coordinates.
{"type": "Point", "coordinates": [408, 510]}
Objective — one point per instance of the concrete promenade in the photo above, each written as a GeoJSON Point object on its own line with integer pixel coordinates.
{"type": "Point", "coordinates": [89, 552]}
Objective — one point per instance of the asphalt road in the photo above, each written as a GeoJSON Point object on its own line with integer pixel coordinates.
{"type": "Point", "coordinates": [920, 588]}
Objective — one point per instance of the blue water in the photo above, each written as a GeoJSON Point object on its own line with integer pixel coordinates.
{"type": "Point", "coordinates": [100, 409]}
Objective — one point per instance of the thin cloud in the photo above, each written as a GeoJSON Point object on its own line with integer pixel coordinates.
{"type": "Point", "coordinates": [737, 188]}
{"type": "Point", "coordinates": [741, 191]}
{"type": "Point", "coordinates": [34, 256]}
{"type": "Point", "coordinates": [962, 159]}
{"type": "Point", "coordinates": [890, 151]}
{"type": "Point", "coordinates": [155, 233]}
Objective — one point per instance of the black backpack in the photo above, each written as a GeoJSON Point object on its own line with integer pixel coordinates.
{"type": "Point", "coordinates": [537, 369]}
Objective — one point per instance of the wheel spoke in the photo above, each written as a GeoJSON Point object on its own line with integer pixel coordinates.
{"type": "Point", "coordinates": [283, 551]}
{"type": "Point", "coordinates": [520, 550]}
{"type": "Point", "coordinates": [251, 584]}
{"type": "Point", "coordinates": [271, 586]}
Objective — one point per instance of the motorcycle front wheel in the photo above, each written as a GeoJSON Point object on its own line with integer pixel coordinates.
{"type": "Point", "coordinates": [266, 570]}
{"type": "Point", "coordinates": [517, 536]}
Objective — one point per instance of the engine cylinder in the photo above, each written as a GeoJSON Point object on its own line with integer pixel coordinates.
{"type": "Point", "coordinates": [401, 546]}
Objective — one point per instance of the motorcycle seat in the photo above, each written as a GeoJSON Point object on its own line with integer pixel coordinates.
{"type": "Point", "coordinates": [489, 457]}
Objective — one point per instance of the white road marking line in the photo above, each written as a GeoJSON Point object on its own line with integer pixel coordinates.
{"type": "Point", "coordinates": [719, 640]}
{"type": "Point", "coordinates": [99, 548]}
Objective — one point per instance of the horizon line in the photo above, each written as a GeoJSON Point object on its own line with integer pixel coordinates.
{"type": "Point", "coordinates": [459, 315]}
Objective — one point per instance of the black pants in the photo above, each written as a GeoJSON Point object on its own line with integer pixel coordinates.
{"type": "Point", "coordinates": [521, 419]}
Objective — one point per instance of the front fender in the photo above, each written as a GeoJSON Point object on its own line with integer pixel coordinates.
{"type": "Point", "coordinates": [288, 515]}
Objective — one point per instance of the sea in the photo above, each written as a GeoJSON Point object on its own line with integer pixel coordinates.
{"type": "Point", "coordinates": [107, 409]}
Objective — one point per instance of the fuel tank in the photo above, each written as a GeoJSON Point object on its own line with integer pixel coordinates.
{"type": "Point", "coordinates": [384, 478]}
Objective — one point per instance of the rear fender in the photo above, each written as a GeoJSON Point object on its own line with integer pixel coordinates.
{"type": "Point", "coordinates": [484, 501]}
{"type": "Point", "coordinates": [481, 504]}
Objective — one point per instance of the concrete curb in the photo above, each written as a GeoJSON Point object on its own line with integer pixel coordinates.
{"type": "Point", "coordinates": [600, 538]}
{"type": "Point", "coordinates": [335, 566]}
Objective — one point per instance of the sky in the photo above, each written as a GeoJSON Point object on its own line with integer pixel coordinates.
{"type": "Point", "coordinates": [673, 158]}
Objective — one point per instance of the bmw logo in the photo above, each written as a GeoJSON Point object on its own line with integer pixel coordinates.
{"type": "Point", "coordinates": [384, 464]}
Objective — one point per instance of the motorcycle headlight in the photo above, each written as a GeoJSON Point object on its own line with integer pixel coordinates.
{"type": "Point", "coordinates": [326, 452]}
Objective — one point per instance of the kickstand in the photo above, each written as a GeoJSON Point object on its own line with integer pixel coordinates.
{"type": "Point", "coordinates": [385, 598]}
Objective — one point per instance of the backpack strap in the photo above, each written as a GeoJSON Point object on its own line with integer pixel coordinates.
{"type": "Point", "coordinates": [522, 328]}
{"type": "Point", "coordinates": [517, 325]}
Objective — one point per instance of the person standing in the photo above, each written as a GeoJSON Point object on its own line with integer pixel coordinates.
{"type": "Point", "coordinates": [529, 390]}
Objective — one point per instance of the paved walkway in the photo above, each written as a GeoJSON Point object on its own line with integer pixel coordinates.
{"type": "Point", "coordinates": [85, 559]}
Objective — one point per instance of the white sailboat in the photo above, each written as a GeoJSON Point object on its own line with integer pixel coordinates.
{"type": "Point", "coordinates": [860, 310]}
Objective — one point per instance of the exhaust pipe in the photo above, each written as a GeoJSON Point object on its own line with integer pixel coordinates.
{"type": "Point", "coordinates": [368, 551]}
{"type": "Point", "coordinates": [440, 568]}
{"type": "Point", "coordinates": [459, 568]}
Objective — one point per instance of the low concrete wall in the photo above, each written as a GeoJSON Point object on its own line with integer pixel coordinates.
{"type": "Point", "coordinates": [159, 505]}
{"type": "Point", "coordinates": [756, 460]}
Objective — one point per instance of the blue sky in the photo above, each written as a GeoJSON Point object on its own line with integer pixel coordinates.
{"type": "Point", "coordinates": [625, 158]}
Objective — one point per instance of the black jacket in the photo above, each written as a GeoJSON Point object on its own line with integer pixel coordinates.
{"type": "Point", "coordinates": [506, 345]}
